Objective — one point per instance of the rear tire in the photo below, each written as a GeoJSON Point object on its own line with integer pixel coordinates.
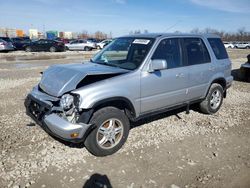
{"type": "Point", "coordinates": [28, 49]}
{"type": "Point", "coordinates": [213, 100]}
{"type": "Point", "coordinates": [86, 48]}
{"type": "Point", "coordinates": [111, 132]}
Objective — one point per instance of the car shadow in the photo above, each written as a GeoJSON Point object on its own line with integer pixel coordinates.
{"type": "Point", "coordinates": [175, 112]}
{"type": "Point", "coordinates": [97, 181]}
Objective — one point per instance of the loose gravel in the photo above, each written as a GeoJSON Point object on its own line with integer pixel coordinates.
{"type": "Point", "coordinates": [27, 151]}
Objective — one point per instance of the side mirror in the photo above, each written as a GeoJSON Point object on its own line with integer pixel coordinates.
{"type": "Point", "coordinates": [157, 64]}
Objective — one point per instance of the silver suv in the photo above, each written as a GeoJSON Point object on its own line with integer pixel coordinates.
{"type": "Point", "coordinates": [134, 77]}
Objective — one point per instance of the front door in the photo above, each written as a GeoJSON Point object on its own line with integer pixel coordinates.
{"type": "Point", "coordinates": [165, 88]}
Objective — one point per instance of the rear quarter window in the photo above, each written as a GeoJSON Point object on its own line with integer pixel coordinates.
{"type": "Point", "coordinates": [218, 48]}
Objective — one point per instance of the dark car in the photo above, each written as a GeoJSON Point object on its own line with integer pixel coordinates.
{"type": "Point", "coordinates": [93, 40]}
{"type": "Point", "coordinates": [65, 41]}
{"type": "Point", "coordinates": [45, 45]}
{"type": "Point", "coordinates": [6, 39]}
{"type": "Point", "coordinates": [19, 43]}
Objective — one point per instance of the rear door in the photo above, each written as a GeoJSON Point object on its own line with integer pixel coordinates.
{"type": "Point", "coordinates": [165, 88]}
{"type": "Point", "coordinates": [200, 67]}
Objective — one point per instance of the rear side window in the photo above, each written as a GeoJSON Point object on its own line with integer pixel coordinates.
{"type": "Point", "coordinates": [169, 50]}
{"type": "Point", "coordinates": [196, 51]}
{"type": "Point", "coordinates": [218, 48]}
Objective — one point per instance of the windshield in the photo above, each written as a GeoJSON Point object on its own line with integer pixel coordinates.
{"type": "Point", "coordinates": [127, 53]}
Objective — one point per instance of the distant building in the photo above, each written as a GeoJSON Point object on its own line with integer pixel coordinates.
{"type": "Point", "coordinates": [51, 34]}
{"type": "Point", "coordinates": [61, 34]}
{"type": "Point", "coordinates": [75, 35]}
{"type": "Point", "coordinates": [2, 32]}
{"type": "Point", "coordinates": [19, 33]}
{"type": "Point", "coordinates": [68, 35]}
{"type": "Point", "coordinates": [8, 32]}
{"type": "Point", "coordinates": [41, 35]}
{"type": "Point", "coordinates": [33, 33]}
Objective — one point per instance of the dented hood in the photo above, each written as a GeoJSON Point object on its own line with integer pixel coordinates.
{"type": "Point", "coordinates": [59, 79]}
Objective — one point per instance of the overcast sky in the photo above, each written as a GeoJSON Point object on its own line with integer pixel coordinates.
{"type": "Point", "coordinates": [122, 16]}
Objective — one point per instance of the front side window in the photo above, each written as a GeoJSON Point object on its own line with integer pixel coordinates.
{"type": "Point", "coordinates": [218, 48]}
{"type": "Point", "coordinates": [196, 51]}
{"type": "Point", "coordinates": [127, 53]}
{"type": "Point", "coordinates": [169, 50]}
{"type": "Point", "coordinates": [41, 42]}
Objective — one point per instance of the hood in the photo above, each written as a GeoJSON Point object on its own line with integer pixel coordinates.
{"type": "Point", "coordinates": [59, 79]}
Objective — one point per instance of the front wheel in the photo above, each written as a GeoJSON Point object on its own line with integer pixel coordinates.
{"type": "Point", "coordinates": [52, 49]}
{"type": "Point", "coordinates": [213, 100]}
{"type": "Point", "coordinates": [111, 132]}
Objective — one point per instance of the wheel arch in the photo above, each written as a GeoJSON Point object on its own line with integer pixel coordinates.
{"type": "Point", "coordinates": [222, 82]}
{"type": "Point", "coordinates": [118, 102]}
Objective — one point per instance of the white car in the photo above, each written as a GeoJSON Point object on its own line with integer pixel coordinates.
{"type": "Point", "coordinates": [243, 45]}
{"type": "Point", "coordinates": [228, 45]}
{"type": "Point", "coordinates": [80, 44]}
{"type": "Point", "coordinates": [102, 44]}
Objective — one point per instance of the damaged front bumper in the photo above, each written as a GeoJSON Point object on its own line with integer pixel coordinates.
{"type": "Point", "coordinates": [40, 108]}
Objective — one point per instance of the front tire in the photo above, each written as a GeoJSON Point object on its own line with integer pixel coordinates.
{"type": "Point", "coordinates": [111, 132]}
{"type": "Point", "coordinates": [52, 49]}
{"type": "Point", "coordinates": [213, 100]}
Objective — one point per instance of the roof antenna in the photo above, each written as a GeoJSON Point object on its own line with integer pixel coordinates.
{"type": "Point", "coordinates": [171, 27]}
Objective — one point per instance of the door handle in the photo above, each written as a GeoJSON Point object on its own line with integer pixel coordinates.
{"type": "Point", "coordinates": [180, 75]}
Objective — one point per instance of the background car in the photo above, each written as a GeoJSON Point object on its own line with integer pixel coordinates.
{"type": "Point", "coordinates": [45, 45]}
{"type": "Point", "coordinates": [243, 45]}
{"type": "Point", "coordinates": [7, 39]}
{"type": "Point", "coordinates": [93, 40]}
{"type": "Point", "coordinates": [81, 44]}
{"type": "Point", "coordinates": [6, 46]}
{"type": "Point", "coordinates": [228, 45]}
{"type": "Point", "coordinates": [102, 44]}
{"type": "Point", "coordinates": [19, 43]}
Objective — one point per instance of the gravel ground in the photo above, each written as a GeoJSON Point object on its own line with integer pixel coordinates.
{"type": "Point", "coordinates": [169, 150]}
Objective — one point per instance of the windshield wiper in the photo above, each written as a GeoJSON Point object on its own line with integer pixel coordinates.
{"type": "Point", "coordinates": [108, 64]}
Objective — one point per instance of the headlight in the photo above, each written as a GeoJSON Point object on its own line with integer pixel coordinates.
{"type": "Point", "coordinates": [66, 101]}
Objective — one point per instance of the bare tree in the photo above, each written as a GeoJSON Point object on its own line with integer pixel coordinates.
{"type": "Point", "coordinates": [240, 35]}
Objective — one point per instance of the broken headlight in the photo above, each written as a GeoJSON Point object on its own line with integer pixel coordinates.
{"type": "Point", "coordinates": [66, 101]}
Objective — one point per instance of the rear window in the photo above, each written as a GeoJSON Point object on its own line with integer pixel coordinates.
{"type": "Point", "coordinates": [218, 48]}
{"type": "Point", "coordinates": [196, 51]}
